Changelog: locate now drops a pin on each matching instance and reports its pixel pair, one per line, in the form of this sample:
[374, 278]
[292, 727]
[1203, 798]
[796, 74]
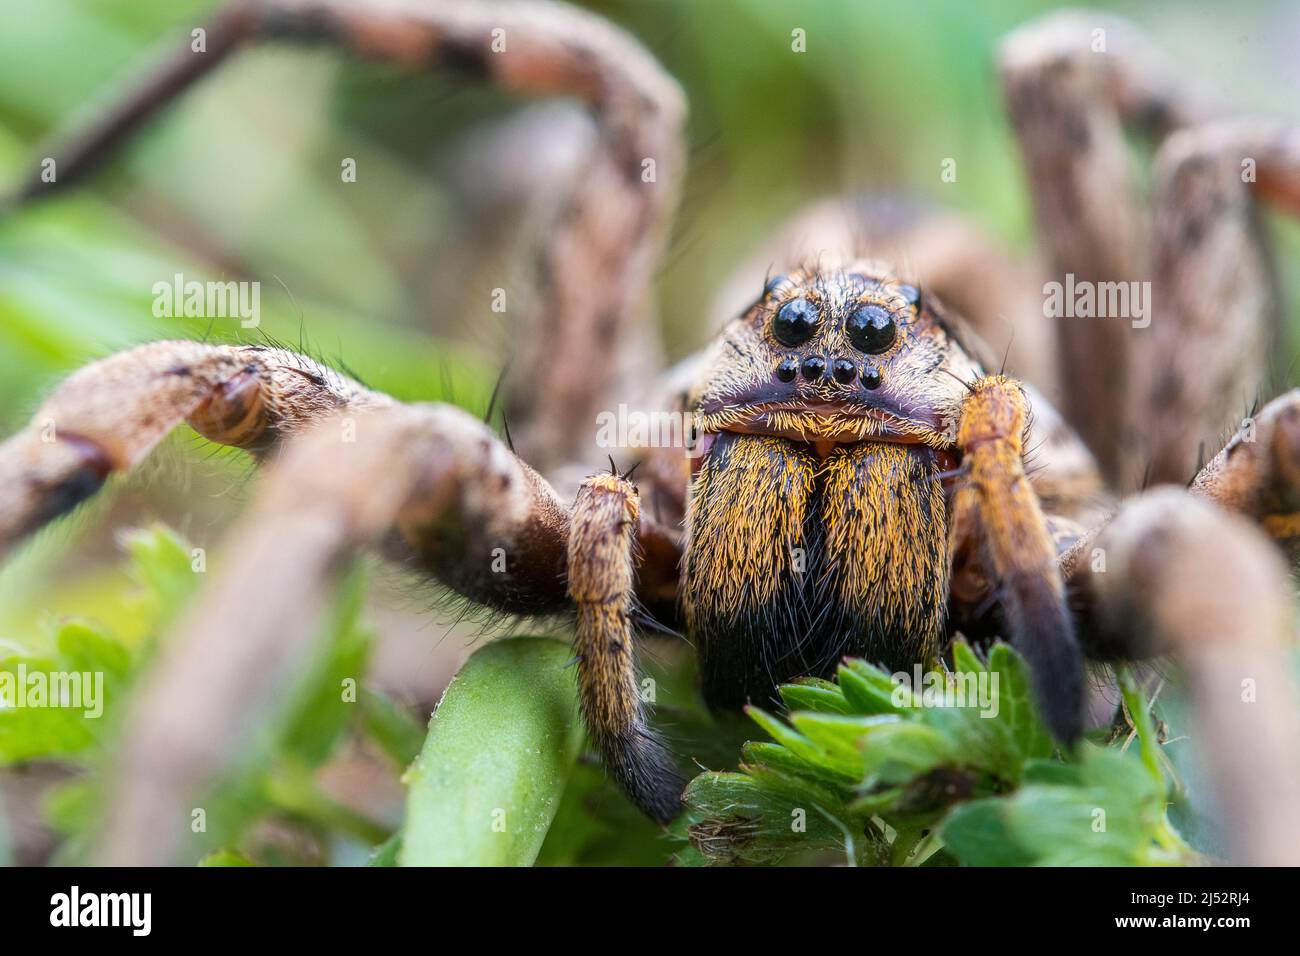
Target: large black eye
[795, 322]
[871, 329]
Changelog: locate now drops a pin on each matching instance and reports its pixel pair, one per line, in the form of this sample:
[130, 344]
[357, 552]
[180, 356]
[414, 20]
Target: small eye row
[870, 328]
[814, 368]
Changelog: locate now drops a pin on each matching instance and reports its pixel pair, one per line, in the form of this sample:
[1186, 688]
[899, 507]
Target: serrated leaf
[1015, 696]
[162, 565]
[894, 751]
[838, 736]
[801, 746]
[1107, 816]
[976, 834]
[964, 658]
[760, 817]
[762, 753]
[867, 690]
[35, 725]
[813, 694]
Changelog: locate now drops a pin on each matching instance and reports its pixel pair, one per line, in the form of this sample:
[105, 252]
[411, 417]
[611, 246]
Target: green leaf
[1109, 813]
[1016, 703]
[162, 564]
[392, 726]
[764, 754]
[500, 749]
[894, 751]
[763, 816]
[222, 858]
[964, 658]
[977, 834]
[868, 690]
[387, 852]
[819, 696]
[328, 697]
[967, 755]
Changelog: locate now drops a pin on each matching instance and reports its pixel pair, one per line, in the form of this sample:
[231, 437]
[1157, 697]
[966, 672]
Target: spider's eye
[774, 283]
[871, 329]
[795, 322]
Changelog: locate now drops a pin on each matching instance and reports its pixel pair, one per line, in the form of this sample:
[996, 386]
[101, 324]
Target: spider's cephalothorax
[817, 523]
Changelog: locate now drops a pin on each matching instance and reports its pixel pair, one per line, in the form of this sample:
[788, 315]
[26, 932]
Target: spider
[869, 478]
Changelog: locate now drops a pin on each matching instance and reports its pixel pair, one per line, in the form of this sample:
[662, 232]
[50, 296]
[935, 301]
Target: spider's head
[837, 355]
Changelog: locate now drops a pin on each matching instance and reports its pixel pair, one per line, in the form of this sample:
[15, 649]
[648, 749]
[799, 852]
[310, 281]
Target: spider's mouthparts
[824, 424]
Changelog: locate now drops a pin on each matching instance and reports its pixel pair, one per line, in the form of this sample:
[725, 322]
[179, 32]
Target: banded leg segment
[589, 294]
[1073, 81]
[1258, 472]
[107, 416]
[602, 577]
[999, 529]
[1214, 308]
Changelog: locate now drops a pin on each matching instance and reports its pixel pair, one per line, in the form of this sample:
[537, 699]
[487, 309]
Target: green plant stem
[1136, 704]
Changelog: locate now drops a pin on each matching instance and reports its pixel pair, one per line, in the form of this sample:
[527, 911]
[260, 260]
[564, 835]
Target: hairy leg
[1185, 574]
[107, 416]
[1073, 80]
[430, 485]
[1256, 475]
[589, 303]
[389, 479]
[1180, 576]
[1214, 307]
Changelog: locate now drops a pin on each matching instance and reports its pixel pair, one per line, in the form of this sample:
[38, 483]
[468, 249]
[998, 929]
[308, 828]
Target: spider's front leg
[999, 535]
[106, 418]
[428, 483]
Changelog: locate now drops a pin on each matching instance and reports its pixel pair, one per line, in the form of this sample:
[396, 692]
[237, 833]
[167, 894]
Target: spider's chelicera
[868, 480]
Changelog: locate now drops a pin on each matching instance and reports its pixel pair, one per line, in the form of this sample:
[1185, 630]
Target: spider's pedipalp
[997, 511]
[108, 415]
[602, 576]
[429, 481]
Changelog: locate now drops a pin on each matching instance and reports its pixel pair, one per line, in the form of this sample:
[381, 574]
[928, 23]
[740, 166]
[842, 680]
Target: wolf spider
[861, 484]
